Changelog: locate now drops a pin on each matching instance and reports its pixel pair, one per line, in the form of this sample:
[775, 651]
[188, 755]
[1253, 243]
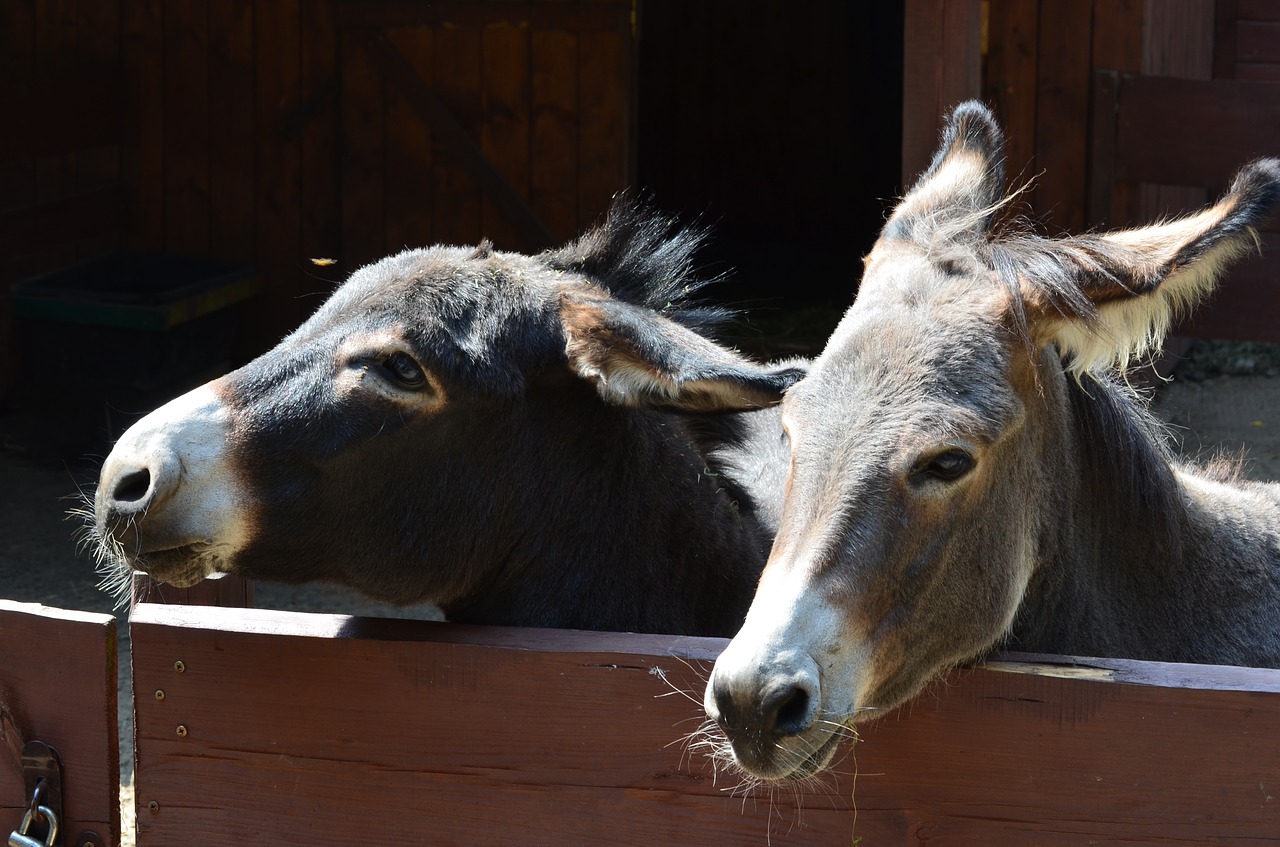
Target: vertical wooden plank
[456, 79]
[186, 129]
[553, 179]
[922, 45]
[606, 73]
[319, 125]
[231, 130]
[17, 67]
[1062, 135]
[17, 179]
[58, 685]
[1178, 38]
[98, 49]
[961, 76]
[412, 157]
[143, 155]
[1011, 81]
[1117, 46]
[1102, 155]
[504, 133]
[942, 65]
[1226, 14]
[278, 168]
[1117, 35]
[55, 55]
[1177, 41]
[363, 145]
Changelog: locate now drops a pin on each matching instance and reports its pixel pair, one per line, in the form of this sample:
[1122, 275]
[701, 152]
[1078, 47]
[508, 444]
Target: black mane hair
[645, 258]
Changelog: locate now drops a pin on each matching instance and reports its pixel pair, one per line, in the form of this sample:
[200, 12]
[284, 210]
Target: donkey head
[448, 415]
[929, 444]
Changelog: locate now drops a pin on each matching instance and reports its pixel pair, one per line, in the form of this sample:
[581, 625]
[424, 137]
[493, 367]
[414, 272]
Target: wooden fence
[258, 725]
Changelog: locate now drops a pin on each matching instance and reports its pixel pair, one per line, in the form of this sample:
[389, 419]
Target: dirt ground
[1222, 397]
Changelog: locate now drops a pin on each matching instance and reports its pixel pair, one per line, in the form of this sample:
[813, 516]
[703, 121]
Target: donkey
[969, 469]
[514, 438]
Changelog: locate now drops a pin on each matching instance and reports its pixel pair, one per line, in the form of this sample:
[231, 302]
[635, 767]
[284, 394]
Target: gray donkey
[969, 469]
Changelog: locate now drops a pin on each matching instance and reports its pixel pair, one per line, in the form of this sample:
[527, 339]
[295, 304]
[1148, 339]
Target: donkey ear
[1135, 282]
[961, 189]
[636, 357]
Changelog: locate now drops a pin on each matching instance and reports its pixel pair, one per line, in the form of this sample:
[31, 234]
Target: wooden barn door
[1168, 136]
[58, 686]
[469, 120]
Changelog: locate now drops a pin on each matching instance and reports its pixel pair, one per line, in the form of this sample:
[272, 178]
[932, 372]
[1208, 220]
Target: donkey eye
[401, 369]
[946, 466]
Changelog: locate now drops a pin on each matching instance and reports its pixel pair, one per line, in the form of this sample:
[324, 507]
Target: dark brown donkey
[507, 436]
[969, 469]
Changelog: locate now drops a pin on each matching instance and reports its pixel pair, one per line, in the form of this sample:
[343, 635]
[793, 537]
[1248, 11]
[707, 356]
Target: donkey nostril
[132, 487]
[791, 716]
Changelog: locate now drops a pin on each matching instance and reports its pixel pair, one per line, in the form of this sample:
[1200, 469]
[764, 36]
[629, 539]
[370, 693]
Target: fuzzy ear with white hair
[637, 357]
[958, 194]
[1107, 298]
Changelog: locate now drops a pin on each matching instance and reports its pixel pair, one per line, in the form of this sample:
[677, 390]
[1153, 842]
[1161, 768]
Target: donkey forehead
[933, 363]
[435, 283]
[460, 305]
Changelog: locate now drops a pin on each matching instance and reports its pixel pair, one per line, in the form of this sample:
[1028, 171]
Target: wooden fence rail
[255, 724]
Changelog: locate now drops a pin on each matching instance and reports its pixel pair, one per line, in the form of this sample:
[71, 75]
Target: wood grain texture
[1010, 82]
[411, 147]
[231, 130]
[229, 591]
[504, 129]
[942, 66]
[331, 729]
[606, 125]
[1235, 121]
[1062, 111]
[58, 685]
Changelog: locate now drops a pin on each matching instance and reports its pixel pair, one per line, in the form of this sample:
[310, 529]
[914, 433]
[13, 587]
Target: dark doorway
[780, 127]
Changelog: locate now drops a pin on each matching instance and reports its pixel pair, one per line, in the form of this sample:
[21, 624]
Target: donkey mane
[645, 258]
[1130, 471]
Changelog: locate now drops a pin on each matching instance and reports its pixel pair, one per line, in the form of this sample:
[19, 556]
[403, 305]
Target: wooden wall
[1247, 40]
[1038, 66]
[272, 132]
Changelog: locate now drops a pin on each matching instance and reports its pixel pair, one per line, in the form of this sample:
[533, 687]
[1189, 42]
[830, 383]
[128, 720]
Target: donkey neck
[1112, 521]
[1140, 557]
[633, 532]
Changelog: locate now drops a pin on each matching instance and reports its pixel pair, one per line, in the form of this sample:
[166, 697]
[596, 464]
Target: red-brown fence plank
[58, 685]
[329, 729]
